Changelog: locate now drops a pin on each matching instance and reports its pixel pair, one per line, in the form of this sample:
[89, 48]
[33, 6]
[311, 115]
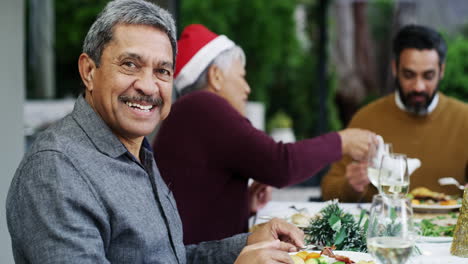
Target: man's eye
[129, 64]
[408, 75]
[429, 76]
[163, 71]
[163, 74]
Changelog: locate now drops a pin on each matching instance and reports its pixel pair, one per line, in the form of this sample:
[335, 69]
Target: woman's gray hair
[224, 61]
[133, 12]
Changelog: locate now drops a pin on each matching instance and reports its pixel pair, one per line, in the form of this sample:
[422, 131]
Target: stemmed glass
[390, 234]
[393, 174]
[374, 161]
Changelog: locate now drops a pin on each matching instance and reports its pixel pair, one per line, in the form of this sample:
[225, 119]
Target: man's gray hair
[224, 61]
[132, 12]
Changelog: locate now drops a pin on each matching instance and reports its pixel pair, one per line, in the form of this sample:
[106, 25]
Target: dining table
[432, 251]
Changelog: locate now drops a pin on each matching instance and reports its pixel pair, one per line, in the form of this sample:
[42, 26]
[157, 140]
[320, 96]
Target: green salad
[433, 228]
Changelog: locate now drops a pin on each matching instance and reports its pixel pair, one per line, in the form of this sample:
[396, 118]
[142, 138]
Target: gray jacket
[79, 196]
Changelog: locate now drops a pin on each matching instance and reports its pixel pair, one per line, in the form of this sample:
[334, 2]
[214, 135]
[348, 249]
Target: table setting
[398, 226]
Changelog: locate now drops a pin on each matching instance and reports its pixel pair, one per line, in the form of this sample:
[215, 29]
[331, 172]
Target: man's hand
[356, 174]
[259, 196]
[357, 142]
[277, 229]
[269, 252]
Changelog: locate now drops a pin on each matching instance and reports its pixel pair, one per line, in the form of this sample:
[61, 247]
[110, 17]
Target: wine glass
[393, 174]
[390, 233]
[373, 162]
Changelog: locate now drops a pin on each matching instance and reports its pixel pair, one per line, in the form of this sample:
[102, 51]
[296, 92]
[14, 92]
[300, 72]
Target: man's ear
[442, 70]
[215, 78]
[394, 68]
[87, 67]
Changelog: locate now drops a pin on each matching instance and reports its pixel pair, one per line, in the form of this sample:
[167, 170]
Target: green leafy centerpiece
[333, 226]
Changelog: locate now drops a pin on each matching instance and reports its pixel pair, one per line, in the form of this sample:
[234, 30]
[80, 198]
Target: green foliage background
[73, 19]
[455, 81]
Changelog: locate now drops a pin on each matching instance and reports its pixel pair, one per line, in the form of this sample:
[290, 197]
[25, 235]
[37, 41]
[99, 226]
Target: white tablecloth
[436, 253]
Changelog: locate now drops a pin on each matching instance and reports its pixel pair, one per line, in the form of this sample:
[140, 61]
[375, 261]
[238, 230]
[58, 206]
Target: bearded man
[418, 120]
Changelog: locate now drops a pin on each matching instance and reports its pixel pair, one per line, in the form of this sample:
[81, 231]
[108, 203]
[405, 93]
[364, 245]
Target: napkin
[413, 164]
[380, 151]
[390, 164]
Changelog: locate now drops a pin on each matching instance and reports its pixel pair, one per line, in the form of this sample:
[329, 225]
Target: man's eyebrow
[135, 56]
[167, 64]
[429, 71]
[407, 70]
[130, 55]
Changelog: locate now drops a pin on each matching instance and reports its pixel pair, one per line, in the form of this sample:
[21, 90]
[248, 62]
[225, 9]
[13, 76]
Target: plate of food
[329, 256]
[426, 201]
[437, 229]
[435, 208]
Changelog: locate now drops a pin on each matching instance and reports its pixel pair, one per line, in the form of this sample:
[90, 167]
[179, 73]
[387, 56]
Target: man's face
[131, 90]
[235, 88]
[417, 78]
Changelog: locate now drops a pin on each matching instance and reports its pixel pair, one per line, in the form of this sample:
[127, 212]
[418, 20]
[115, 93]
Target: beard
[413, 106]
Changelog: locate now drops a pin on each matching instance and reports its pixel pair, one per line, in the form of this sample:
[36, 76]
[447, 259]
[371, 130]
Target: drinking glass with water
[390, 234]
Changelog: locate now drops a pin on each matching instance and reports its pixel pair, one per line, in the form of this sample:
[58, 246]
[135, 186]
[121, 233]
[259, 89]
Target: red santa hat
[197, 47]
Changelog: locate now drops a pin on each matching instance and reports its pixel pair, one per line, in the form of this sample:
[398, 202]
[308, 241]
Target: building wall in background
[11, 107]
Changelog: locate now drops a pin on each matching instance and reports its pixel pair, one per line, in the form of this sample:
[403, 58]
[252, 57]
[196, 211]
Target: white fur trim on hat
[190, 72]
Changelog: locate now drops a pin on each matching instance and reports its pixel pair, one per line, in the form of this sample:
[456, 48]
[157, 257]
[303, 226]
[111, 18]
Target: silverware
[451, 181]
[310, 247]
[301, 210]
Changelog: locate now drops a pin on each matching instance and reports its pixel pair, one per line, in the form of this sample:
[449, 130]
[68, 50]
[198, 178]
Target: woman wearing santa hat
[207, 150]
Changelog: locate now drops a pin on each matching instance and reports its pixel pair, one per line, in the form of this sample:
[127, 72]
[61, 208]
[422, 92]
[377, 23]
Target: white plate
[434, 208]
[428, 239]
[354, 256]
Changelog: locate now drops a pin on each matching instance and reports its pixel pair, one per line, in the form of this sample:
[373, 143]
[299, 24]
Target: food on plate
[300, 219]
[441, 226]
[309, 258]
[297, 259]
[449, 202]
[333, 226]
[423, 195]
[326, 256]
[302, 254]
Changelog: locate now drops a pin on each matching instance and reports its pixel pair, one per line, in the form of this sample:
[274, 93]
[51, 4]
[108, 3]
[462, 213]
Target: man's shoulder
[376, 106]
[58, 136]
[454, 102]
[64, 138]
[48, 152]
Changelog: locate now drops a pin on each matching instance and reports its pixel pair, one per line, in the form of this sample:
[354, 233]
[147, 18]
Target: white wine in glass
[389, 250]
[393, 175]
[390, 234]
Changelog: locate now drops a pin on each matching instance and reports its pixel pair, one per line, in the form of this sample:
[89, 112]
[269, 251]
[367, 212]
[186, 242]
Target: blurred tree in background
[73, 20]
[455, 82]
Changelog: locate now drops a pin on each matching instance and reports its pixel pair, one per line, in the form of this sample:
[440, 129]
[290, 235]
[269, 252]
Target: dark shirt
[207, 151]
[79, 196]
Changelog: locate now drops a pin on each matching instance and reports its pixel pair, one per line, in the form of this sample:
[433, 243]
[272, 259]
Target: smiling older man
[89, 190]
